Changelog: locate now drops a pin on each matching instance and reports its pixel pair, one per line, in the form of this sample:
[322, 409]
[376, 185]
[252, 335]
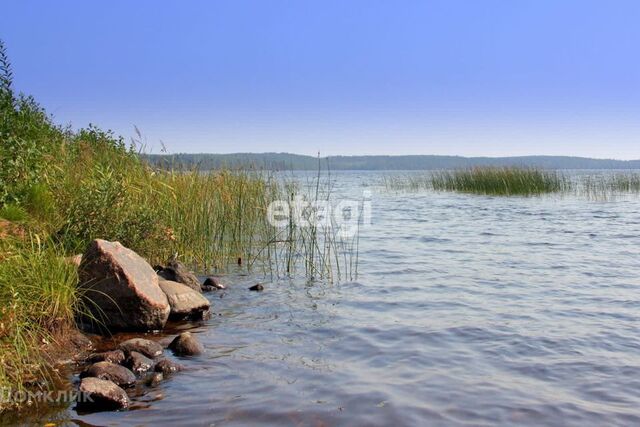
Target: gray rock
[184, 301]
[175, 271]
[167, 367]
[121, 289]
[186, 344]
[211, 284]
[102, 395]
[138, 363]
[147, 347]
[111, 372]
[113, 356]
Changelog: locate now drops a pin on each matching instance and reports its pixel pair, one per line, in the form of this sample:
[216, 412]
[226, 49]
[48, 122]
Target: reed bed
[606, 186]
[490, 181]
[313, 244]
[519, 182]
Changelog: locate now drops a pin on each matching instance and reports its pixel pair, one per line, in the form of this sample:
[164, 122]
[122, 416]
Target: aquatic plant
[520, 182]
[508, 181]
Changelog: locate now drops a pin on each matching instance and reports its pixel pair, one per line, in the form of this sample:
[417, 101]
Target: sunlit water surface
[468, 310]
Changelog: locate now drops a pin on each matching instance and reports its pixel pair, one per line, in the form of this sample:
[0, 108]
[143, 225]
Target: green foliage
[13, 212]
[499, 181]
[39, 202]
[38, 294]
[491, 181]
[27, 138]
[106, 204]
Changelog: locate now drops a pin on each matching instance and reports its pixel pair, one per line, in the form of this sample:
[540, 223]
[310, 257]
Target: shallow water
[468, 310]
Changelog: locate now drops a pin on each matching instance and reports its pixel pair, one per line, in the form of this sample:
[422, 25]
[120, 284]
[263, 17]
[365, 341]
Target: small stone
[111, 372]
[186, 344]
[167, 367]
[138, 363]
[113, 356]
[154, 379]
[211, 284]
[102, 395]
[147, 347]
[258, 287]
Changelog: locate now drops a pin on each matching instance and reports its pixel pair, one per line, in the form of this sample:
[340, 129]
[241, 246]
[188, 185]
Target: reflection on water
[468, 310]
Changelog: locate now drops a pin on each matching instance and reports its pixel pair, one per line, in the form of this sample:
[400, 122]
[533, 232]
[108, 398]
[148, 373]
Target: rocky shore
[122, 292]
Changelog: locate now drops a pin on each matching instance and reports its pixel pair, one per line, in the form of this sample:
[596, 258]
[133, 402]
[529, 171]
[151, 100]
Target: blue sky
[474, 77]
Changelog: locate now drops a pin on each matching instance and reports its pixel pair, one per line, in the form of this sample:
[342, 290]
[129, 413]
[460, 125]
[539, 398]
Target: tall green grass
[509, 181]
[39, 299]
[520, 182]
[62, 188]
[499, 181]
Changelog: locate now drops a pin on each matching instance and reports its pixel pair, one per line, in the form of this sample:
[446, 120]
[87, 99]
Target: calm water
[468, 310]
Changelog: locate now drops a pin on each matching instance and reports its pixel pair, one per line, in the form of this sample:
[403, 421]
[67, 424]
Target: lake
[467, 310]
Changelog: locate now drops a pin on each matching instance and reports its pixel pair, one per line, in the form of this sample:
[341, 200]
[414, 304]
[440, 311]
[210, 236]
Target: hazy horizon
[468, 78]
[374, 155]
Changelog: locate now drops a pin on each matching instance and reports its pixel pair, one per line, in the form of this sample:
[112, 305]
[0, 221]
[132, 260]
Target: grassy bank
[61, 188]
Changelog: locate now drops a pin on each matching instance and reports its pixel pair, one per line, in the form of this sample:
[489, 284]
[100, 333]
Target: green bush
[105, 204]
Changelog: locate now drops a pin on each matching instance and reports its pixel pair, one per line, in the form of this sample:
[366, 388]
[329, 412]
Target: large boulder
[102, 395]
[184, 301]
[121, 289]
[175, 271]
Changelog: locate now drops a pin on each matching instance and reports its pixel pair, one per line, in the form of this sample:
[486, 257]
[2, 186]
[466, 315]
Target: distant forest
[286, 161]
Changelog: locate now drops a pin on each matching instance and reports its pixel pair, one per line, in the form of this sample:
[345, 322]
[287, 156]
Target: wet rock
[138, 363]
[113, 356]
[175, 271]
[100, 394]
[146, 347]
[184, 301]
[111, 372]
[257, 287]
[186, 344]
[211, 284]
[121, 289]
[154, 379]
[167, 367]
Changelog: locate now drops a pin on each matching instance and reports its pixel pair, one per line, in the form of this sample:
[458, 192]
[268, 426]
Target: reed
[520, 182]
[606, 186]
[499, 181]
[510, 181]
